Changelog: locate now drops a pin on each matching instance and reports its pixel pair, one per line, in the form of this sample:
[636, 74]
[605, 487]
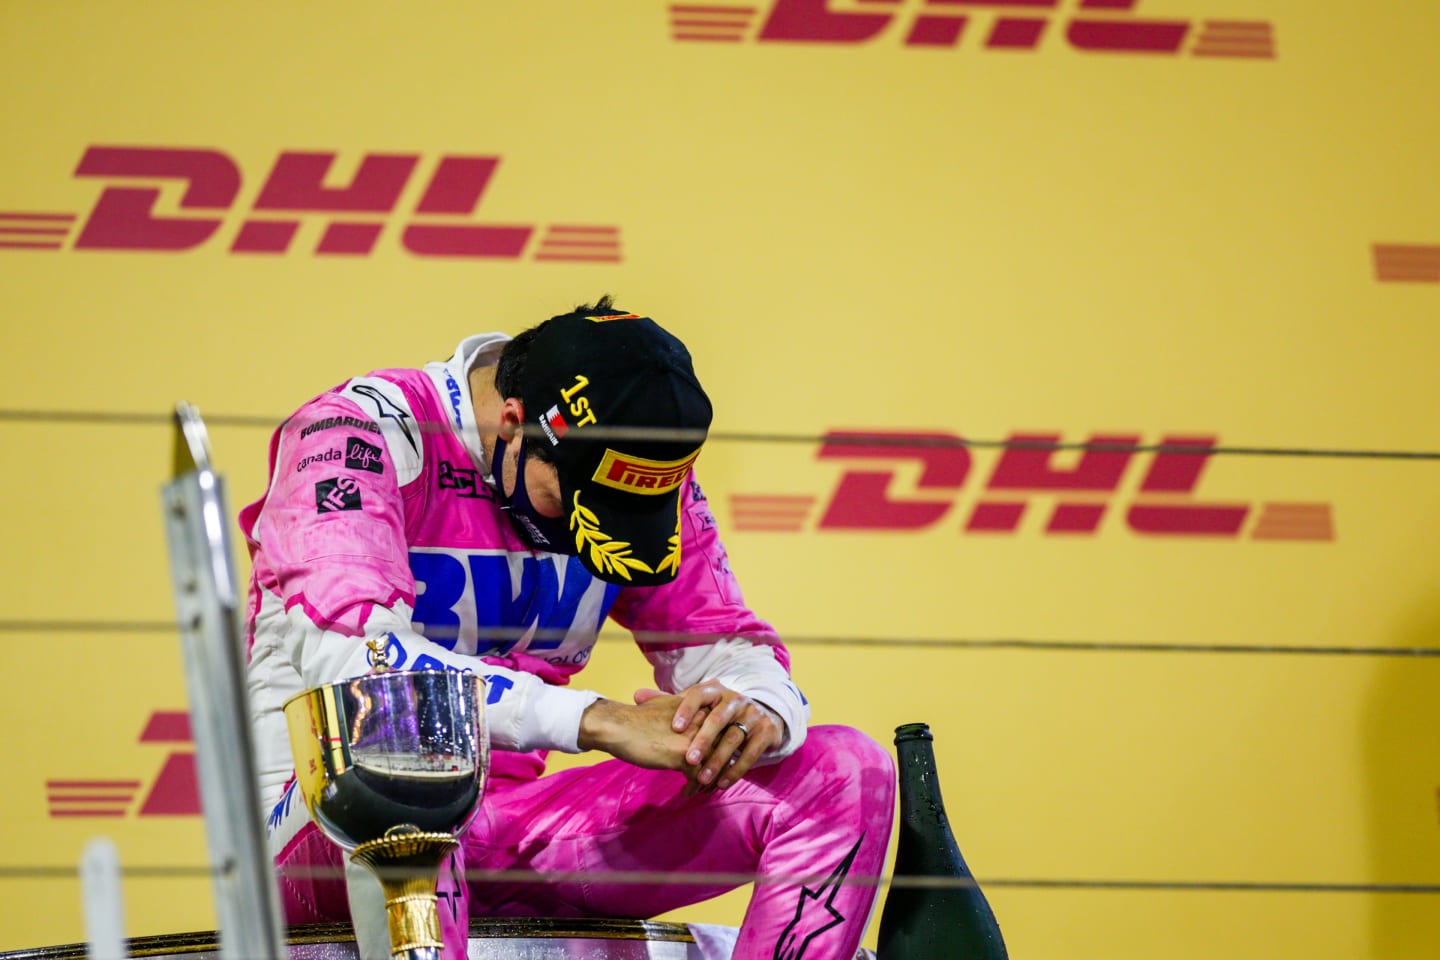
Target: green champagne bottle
[949, 922]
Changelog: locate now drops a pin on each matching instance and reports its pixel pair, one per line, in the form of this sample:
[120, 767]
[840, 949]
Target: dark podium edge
[517, 928]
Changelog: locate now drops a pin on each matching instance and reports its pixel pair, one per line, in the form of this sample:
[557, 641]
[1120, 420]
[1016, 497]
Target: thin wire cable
[694, 878]
[930, 643]
[52, 872]
[98, 417]
[896, 881]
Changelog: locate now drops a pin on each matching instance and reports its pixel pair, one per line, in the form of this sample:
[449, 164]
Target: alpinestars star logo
[812, 916]
[387, 409]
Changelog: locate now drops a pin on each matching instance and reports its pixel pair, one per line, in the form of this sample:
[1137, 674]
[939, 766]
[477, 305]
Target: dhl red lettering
[1177, 471]
[861, 500]
[455, 189]
[940, 23]
[991, 516]
[813, 21]
[928, 31]
[1127, 36]
[457, 185]
[176, 791]
[1176, 467]
[1016, 33]
[297, 185]
[1046, 4]
[122, 218]
[1029, 465]
[1086, 482]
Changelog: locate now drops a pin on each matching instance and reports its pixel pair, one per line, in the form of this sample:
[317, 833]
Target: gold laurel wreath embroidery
[672, 557]
[607, 554]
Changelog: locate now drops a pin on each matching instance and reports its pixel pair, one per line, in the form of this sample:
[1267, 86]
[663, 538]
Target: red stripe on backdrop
[1408, 252]
[1237, 25]
[1294, 521]
[92, 798]
[1407, 262]
[772, 509]
[1228, 39]
[13, 215]
[711, 37]
[1213, 51]
[701, 8]
[726, 25]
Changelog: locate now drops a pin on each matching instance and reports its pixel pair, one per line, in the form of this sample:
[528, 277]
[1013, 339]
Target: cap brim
[625, 538]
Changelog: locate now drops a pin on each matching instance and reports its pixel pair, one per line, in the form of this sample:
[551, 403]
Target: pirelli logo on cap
[614, 316]
[638, 475]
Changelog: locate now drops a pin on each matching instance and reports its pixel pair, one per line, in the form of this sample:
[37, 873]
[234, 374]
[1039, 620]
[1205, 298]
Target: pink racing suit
[380, 521]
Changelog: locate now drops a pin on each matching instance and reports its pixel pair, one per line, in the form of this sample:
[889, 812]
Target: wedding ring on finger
[744, 730]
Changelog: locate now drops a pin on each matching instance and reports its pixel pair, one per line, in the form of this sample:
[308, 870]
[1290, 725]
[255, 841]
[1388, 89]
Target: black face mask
[550, 534]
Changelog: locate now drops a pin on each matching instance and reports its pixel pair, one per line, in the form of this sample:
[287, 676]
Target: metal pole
[101, 899]
[247, 903]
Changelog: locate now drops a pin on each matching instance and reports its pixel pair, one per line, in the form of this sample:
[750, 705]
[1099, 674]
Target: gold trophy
[392, 766]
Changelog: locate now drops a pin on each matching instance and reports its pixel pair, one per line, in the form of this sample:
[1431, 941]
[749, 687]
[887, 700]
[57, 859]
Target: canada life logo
[1072, 494]
[170, 793]
[355, 216]
[1088, 26]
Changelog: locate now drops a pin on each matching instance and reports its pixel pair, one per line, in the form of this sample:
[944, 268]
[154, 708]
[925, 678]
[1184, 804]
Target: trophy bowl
[388, 749]
[392, 765]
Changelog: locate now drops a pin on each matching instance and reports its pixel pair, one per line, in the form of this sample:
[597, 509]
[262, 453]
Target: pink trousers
[810, 826]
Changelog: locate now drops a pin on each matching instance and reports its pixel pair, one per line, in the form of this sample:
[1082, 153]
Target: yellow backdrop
[1198, 219]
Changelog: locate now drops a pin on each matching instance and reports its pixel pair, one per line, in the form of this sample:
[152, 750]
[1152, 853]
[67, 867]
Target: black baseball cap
[614, 399]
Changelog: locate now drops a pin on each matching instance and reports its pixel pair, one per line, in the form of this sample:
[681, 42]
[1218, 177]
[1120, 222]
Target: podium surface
[510, 939]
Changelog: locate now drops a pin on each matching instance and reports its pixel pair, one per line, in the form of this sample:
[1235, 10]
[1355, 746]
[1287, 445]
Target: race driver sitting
[487, 513]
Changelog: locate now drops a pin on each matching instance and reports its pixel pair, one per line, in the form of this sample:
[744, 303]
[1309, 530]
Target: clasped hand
[696, 731]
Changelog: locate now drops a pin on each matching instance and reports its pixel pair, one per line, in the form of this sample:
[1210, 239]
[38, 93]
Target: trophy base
[407, 862]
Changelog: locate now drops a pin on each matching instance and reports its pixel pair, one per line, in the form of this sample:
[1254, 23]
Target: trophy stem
[407, 864]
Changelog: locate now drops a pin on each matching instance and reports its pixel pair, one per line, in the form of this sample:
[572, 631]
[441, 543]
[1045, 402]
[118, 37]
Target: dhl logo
[1090, 26]
[1080, 493]
[173, 792]
[638, 475]
[297, 188]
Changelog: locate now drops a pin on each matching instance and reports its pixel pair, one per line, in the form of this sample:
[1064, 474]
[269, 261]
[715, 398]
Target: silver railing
[247, 903]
